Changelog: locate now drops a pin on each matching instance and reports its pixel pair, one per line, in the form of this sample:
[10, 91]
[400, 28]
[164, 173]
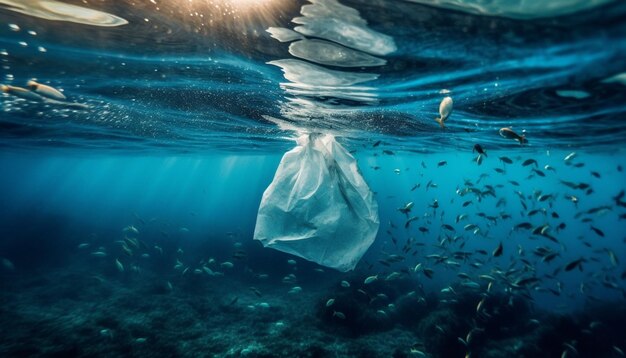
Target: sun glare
[248, 3]
[224, 11]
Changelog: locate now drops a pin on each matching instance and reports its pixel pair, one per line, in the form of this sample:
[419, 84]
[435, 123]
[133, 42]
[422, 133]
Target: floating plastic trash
[318, 206]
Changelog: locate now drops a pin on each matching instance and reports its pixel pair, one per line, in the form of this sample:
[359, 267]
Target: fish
[540, 230]
[409, 220]
[442, 163]
[524, 225]
[463, 275]
[569, 157]
[392, 276]
[106, 333]
[370, 279]
[295, 289]
[45, 90]
[471, 284]
[498, 250]
[573, 264]
[539, 172]
[445, 109]
[330, 302]
[506, 160]
[345, 284]
[22, 93]
[339, 315]
[406, 208]
[508, 133]
[449, 227]
[597, 231]
[572, 198]
[479, 149]
[545, 197]
[528, 162]
[382, 312]
[119, 265]
[480, 304]
[612, 258]
[131, 229]
[376, 144]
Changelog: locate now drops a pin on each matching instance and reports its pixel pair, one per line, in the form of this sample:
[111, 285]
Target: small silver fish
[227, 264]
[569, 157]
[295, 289]
[370, 279]
[119, 265]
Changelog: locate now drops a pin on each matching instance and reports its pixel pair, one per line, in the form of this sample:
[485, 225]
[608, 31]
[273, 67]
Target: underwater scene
[313, 178]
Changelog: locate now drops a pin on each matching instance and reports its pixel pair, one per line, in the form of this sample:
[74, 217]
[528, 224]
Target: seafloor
[82, 310]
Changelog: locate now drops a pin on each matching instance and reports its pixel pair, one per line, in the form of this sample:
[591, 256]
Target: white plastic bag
[318, 206]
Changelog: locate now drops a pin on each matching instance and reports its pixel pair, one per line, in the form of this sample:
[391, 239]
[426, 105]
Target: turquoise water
[129, 207]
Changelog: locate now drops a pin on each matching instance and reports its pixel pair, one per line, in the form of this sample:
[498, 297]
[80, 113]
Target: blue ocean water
[129, 206]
